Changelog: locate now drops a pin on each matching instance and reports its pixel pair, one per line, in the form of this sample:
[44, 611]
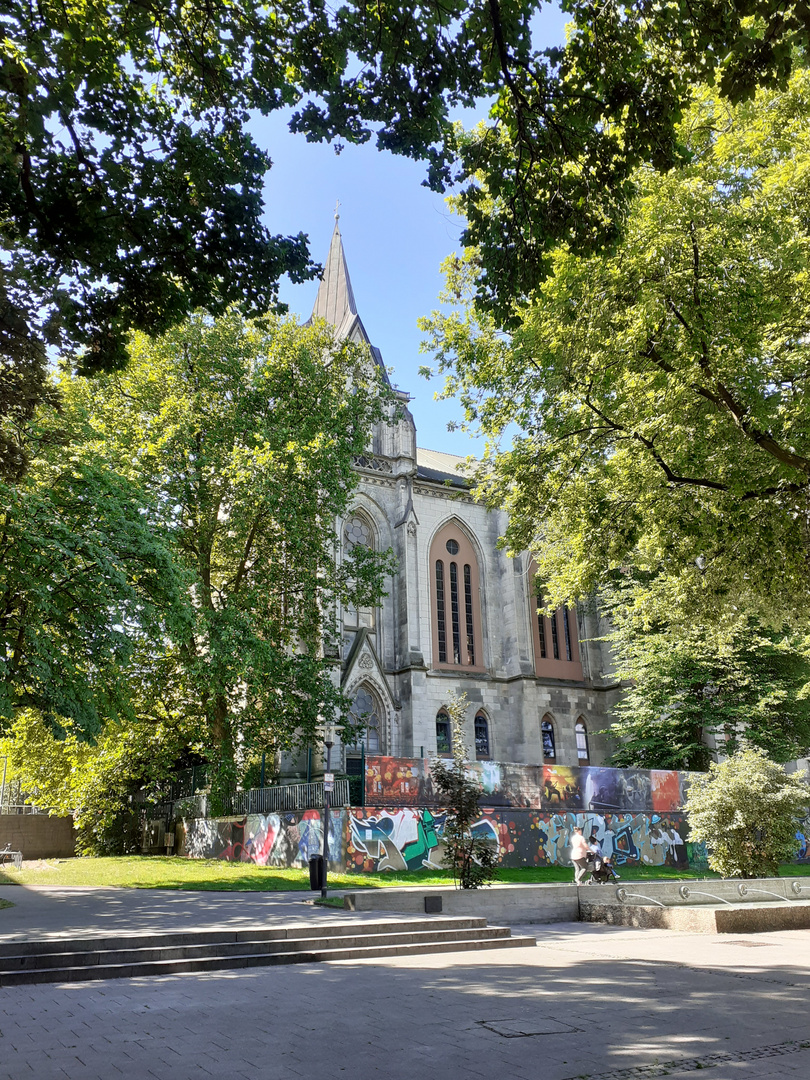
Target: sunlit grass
[161, 872]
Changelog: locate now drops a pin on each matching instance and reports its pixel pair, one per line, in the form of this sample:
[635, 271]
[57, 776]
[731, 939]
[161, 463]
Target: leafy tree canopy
[687, 686]
[661, 389]
[86, 579]
[243, 436]
[131, 192]
[94, 781]
[747, 811]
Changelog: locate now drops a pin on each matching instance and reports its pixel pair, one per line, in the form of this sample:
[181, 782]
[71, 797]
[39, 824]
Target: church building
[460, 616]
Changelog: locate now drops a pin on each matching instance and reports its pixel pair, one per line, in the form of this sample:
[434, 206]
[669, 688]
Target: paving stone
[636, 999]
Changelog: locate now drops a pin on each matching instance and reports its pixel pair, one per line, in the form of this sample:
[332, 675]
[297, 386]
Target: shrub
[746, 810]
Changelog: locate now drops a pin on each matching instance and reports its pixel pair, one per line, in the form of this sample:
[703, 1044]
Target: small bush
[747, 810]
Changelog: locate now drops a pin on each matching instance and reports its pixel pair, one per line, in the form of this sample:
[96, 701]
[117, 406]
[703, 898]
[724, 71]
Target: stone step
[245, 934]
[312, 953]
[352, 938]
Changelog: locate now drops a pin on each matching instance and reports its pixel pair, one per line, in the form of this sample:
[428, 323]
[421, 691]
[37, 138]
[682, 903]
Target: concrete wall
[38, 836]
[498, 903]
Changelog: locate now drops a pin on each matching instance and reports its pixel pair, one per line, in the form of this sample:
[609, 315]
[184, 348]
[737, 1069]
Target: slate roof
[440, 467]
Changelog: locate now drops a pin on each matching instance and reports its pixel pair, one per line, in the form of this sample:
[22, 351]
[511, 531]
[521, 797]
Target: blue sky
[395, 234]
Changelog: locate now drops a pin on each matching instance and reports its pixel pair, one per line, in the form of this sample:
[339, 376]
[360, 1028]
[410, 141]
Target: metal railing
[267, 800]
[274, 800]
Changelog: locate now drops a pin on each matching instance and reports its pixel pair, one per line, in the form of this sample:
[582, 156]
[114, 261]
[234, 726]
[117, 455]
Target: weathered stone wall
[38, 836]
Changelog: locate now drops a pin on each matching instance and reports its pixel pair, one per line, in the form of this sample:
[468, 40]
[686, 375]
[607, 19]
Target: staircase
[182, 951]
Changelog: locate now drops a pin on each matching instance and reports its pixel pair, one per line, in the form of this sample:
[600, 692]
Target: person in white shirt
[579, 855]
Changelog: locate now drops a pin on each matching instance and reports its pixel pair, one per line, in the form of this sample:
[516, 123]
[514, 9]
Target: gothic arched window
[549, 739]
[444, 741]
[365, 711]
[583, 754]
[481, 736]
[358, 532]
[456, 611]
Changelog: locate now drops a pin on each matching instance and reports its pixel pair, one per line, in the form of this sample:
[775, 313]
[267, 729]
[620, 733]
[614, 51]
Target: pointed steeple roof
[335, 299]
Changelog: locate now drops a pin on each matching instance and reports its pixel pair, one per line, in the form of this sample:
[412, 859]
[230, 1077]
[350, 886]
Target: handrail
[622, 894]
[686, 892]
[744, 890]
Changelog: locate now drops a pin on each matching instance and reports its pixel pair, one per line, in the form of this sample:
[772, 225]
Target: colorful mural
[407, 782]
[267, 839]
[528, 811]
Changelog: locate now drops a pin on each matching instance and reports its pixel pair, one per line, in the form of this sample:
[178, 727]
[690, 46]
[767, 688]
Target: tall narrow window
[555, 641]
[583, 756]
[554, 636]
[549, 743]
[567, 627]
[541, 627]
[455, 613]
[456, 603]
[481, 736]
[441, 620]
[443, 743]
[468, 614]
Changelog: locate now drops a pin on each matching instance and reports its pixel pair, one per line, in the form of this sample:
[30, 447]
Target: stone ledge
[750, 918]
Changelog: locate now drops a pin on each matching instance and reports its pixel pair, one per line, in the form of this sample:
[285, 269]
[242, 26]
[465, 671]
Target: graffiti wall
[408, 782]
[527, 811]
[409, 838]
[379, 839]
[267, 839]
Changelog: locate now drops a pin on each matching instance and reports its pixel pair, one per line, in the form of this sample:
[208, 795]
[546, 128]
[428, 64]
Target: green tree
[98, 782]
[244, 435]
[86, 580]
[684, 685]
[471, 859]
[746, 811]
[660, 391]
[130, 190]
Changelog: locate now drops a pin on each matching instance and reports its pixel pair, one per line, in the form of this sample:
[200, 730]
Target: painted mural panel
[666, 793]
[283, 840]
[396, 840]
[561, 787]
[600, 789]
[399, 782]
[407, 782]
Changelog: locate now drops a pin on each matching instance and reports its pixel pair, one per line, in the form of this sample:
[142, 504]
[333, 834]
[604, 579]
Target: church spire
[335, 299]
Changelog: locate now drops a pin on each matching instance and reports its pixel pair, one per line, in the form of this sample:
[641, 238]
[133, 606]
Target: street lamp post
[329, 742]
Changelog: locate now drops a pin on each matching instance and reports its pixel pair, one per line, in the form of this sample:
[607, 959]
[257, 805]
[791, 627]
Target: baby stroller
[602, 873]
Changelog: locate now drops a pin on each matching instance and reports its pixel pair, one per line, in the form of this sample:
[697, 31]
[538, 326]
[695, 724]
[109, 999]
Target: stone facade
[417, 503]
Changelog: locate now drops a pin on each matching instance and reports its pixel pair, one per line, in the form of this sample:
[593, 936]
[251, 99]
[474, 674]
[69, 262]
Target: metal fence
[267, 800]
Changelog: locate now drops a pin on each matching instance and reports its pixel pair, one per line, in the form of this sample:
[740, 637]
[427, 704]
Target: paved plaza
[602, 1003]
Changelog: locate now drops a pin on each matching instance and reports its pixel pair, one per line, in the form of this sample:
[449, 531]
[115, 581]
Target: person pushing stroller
[601, 868]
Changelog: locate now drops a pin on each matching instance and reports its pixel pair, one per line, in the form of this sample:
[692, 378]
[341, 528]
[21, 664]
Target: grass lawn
[161, 872]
